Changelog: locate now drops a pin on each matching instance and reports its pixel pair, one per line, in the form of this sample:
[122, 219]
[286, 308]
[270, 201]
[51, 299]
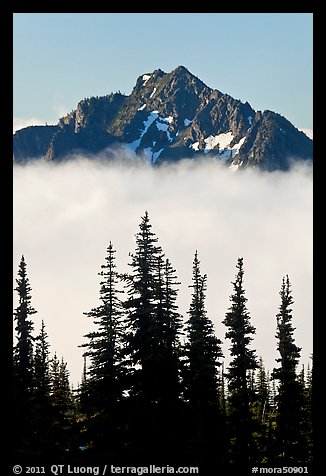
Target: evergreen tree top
[289, 351]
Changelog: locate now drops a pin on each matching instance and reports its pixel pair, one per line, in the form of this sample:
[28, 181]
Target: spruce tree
[104, 348]
[262, 412]
[237, 320]
[61, 394]
[167, 410]
[168, 327]
[83, 400]
[201, 379]
[63, 404]
[142, 305]
[42, 385]
[102, 387]
[290, 439]
[23, 363]
[305, 379]
[262, 387]
[203, 349]
[42, 405]
[152, 347]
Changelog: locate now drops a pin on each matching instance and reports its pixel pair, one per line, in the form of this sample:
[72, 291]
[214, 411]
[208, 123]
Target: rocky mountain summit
[167, 117]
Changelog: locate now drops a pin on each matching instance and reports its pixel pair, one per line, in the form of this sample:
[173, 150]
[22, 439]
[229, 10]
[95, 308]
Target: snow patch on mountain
[156, 155]
[234, 167]
[163, 126]
[150, 156]
[149, 121]
[237, 146]
[221, 143]
[221, 140]
[194, 146]
[153, 92]
[146, 77]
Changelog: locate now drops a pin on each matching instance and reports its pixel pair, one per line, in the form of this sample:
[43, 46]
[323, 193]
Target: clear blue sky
[262, 58]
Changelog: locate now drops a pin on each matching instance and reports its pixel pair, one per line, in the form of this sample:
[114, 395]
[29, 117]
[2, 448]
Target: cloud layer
[66, 214]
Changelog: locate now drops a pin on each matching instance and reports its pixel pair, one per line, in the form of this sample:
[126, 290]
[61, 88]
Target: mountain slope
[169, 116]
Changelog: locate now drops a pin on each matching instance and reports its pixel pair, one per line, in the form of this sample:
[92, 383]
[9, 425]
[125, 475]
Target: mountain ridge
[167, 117]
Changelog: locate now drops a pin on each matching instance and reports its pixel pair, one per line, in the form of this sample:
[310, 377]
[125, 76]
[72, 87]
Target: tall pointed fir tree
[262, 386]
[241, 397]
[201, 377]
[142, 304]
[305, 378]
[42, 405]
[291, 442]
[103, 385]
[63, 407]
[82, 392]
[23, 365]
[263, 414]
[168, 409]
[152, 342]
[42, 367]
[168, 327]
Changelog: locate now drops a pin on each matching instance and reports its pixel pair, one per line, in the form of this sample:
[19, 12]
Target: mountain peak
[183, 73]
[169, 116]
[181, 69]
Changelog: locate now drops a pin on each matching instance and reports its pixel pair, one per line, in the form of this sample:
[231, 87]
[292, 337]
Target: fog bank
[66, 214]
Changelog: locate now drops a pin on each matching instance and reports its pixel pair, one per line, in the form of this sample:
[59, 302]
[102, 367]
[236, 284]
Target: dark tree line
[154, 388]
[43, 404]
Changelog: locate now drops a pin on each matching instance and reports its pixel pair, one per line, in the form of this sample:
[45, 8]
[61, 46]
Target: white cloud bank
[65, 215]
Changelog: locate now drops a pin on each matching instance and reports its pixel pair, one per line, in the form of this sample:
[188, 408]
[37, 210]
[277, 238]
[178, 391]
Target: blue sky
[262, 58]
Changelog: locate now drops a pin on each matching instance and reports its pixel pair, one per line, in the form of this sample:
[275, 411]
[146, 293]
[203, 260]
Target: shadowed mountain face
[167, 117]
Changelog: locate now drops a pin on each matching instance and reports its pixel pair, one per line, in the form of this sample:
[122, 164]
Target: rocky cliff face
[169, 116]
[32, 142]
